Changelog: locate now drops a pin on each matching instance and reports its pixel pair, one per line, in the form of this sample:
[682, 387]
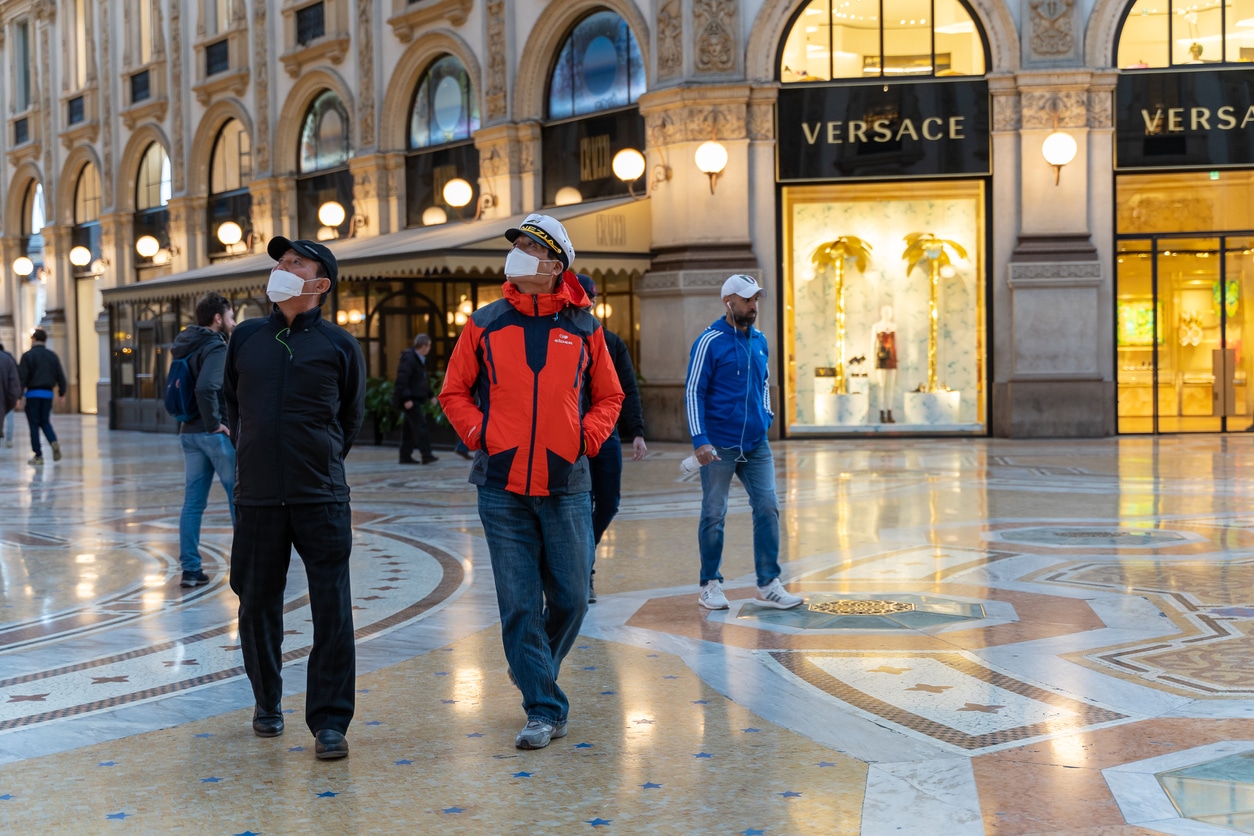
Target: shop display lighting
[80, 256]
[23, 266]
[711, 156]
[629, 164]
[1059, 147]
[147, 246]
[331, 214]
[458, 192]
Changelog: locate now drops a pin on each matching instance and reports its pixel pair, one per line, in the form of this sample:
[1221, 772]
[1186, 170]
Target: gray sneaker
[56, 451]
[537, 734]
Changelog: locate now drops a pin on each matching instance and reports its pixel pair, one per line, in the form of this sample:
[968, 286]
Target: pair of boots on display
[886, 417]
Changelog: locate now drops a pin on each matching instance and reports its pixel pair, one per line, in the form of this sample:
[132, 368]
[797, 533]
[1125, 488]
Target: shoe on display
[56, 452]
[37, 460]
[191, 579]
[329, 745]
[774, 595]
[712, 597]
[267, 723]
[537, 734]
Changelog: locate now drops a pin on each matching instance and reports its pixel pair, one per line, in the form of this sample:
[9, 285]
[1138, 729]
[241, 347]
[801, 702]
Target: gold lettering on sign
[833, 133]
[811, 138]
[1249, 117]
[1226, 120]
[927, 133]
[955, 127]
[1174, 115]
[882, 132]
[1199, 119]
[931, 129]
[594, 158]
[611, 230]
[1199, 116]
[907, 127]
[857, 130]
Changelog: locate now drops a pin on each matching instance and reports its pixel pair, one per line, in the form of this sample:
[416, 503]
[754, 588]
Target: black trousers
[322, 535]
[39, 417]
[414, 431]
[606, 468]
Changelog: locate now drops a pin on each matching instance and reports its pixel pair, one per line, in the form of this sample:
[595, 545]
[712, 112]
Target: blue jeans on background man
[756, 470]
[203, 455]
[39, 417]
[540, 548]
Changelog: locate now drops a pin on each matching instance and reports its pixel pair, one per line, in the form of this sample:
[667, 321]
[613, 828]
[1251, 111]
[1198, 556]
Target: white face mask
[284, 285]
[519, 264]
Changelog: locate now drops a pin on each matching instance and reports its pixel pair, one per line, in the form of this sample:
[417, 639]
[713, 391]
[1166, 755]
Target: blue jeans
[541, 549]
[203, 455]
[757, 474]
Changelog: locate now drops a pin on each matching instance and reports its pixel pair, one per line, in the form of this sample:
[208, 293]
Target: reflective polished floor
[999, 637]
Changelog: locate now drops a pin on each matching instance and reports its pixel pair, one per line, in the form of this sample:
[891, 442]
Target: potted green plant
[379, 407]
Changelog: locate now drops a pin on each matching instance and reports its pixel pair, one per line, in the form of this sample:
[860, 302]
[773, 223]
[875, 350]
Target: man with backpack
[193, 396]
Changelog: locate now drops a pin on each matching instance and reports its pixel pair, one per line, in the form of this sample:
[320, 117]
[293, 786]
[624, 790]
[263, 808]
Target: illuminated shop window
[445, 108]
[598, 68]
[1165, 33]
[835, 39]
[324, 138]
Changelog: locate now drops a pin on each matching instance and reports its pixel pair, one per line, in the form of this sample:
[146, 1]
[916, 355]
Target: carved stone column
[187, 233]
[116, 250]
[374, 194]
[273, 204]
[509, 168]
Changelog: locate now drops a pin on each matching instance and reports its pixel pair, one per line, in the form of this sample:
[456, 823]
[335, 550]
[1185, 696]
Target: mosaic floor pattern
[999, 637]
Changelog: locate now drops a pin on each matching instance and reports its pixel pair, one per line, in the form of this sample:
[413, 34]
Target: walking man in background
[40, 371]
[206, 439]
[10, 394]
[411, 394]
[547, 399]
[607, 465]
[729, 414]
[295, 394]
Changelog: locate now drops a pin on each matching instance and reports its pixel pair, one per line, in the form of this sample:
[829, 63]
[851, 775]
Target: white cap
[741, 285]
[546, 230]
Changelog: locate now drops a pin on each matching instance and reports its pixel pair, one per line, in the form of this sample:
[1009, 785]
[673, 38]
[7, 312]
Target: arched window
[33, 210]
[324, 138]
[872, 39]
[87, 195]
[445, 107]
[599, 68]
[1165, 33]
[231, 166]
[152, 187]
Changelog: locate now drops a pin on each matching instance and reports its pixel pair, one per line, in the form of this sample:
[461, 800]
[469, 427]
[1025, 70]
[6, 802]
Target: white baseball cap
[548, 231]
[741, 285]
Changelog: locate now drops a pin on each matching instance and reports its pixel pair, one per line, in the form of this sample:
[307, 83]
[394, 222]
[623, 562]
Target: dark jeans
[262, 549]
[39, 416]
[606, 468]
[539, 547]
[414, 432]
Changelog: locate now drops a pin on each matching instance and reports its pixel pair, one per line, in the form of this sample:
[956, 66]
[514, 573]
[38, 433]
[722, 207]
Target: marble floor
[1000, 637]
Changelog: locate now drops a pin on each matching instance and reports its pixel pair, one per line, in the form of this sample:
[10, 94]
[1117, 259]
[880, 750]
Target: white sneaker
[712, 597]
[774, 595]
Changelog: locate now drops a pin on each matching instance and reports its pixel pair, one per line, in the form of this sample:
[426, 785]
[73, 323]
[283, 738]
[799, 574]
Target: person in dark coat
[411, 394]
[10, 394]
[607, 465]
[295, 388]
[40, 371]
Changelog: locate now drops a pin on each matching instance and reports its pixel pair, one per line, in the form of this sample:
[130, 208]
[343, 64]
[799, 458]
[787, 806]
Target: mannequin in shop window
[884, 352]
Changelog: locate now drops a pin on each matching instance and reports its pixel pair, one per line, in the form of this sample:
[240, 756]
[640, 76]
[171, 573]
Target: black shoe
[409, 461]
[430, 459]
[592, 592]
[330, 745]
[267, 723]
[191, 579]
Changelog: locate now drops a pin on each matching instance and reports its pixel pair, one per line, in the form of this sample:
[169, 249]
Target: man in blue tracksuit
[729, 413]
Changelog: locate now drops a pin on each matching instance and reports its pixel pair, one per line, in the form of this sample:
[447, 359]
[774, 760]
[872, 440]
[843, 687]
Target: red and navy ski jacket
[532, 388]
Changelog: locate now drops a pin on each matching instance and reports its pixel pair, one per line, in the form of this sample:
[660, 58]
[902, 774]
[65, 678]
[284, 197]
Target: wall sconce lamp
[1059, 147]
[233, 238]
[458, 193]
[147, 246]
[711, 159]
[629, 165]
[80, 256]
[23, 266]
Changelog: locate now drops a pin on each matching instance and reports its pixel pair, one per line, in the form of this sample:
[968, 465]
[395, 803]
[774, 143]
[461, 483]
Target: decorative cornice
[1055, 274]
[410, 18]
[334, 48]
[234, 82]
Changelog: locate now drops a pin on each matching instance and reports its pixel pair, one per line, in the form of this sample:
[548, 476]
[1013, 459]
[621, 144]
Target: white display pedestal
[930, 408]
[840, 410]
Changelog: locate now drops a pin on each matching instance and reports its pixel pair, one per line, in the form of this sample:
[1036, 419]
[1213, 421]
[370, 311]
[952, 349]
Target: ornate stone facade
[714, 32]
[670, 40]
[496, 98]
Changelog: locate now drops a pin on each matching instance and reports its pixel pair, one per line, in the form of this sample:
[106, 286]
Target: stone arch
[218, 114]
[768, 30]
[291, 118]
[405, 78]
[68, 181]
[1102, 32]
[22, 178]
[128, 167]
[531, 84]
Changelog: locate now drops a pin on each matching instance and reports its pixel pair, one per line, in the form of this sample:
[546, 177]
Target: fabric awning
[609, 236]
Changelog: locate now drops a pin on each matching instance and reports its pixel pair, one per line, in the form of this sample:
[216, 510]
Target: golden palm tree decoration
[925, 247]
[831, 259]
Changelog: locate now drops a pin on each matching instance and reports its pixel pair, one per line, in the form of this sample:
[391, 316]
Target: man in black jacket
[10, 394]
[412, 392]
[39, 371]
[607, 465]
[206, 440]
[295, 394]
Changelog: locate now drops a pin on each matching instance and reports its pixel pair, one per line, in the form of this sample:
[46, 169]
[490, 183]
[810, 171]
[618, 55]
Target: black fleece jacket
[294, 402]
[41, 369]
[631, 419]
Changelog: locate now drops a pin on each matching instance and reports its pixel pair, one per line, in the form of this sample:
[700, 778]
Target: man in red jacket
[531, 388]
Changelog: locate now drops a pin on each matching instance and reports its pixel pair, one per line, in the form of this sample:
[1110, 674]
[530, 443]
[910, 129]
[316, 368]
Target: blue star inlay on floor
[375, 723]
[107, 763]
[590, 668]
[700, 702]
[448, 702]
[289, 711]
[703, 755]
[327, 794]
[6, 797]
[581, 647]
[247, 833]
[608, 693]
[826, 763]
[750, 730]
[651, 656]
[363, 690]
[297, 749]
[583, 745]
[403, 762]
[211, 780]
[522, 775]
[790, 794]
[475, 734]
[670, 676]
[202, 735]
[649, 785]
[452, 810]
[118, 816]
[599, 822]
[752, 832]
[441, 673]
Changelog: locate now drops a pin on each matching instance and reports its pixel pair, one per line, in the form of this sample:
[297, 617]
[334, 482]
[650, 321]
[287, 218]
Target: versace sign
[1184, 119]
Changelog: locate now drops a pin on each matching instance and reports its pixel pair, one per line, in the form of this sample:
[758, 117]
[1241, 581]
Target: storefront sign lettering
[904, 129]
[1184, 119]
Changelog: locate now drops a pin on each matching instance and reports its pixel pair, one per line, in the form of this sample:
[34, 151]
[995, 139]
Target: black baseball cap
[279, 246]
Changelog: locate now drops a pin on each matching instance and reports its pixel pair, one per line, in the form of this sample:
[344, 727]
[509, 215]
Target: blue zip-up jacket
[728, 393]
